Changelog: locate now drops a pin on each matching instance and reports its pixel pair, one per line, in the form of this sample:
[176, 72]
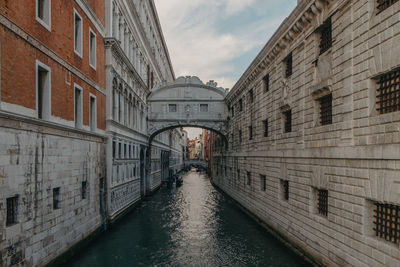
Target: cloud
[234, 6]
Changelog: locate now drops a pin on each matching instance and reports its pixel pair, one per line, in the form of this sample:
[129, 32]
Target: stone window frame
[285, 189]
[84, 190]
[12, 210]
[46, 20]
[202, 108]
[288, 65]
[285, 111]
[92, 49]
[56, 198]
[78, 40]
[78, 107]
[92, 112]
[251, 95]
[317, 95]
[241, 104]
[326, 25]
[172, 110]
[45, 105]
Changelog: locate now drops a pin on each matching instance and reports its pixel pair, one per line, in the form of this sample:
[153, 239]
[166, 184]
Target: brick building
[52, 117]
[314, 135]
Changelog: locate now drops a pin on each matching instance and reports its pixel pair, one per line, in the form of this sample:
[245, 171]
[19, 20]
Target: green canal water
[194, 225]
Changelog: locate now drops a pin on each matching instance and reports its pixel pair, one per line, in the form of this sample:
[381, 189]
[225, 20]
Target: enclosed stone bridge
[187, 102]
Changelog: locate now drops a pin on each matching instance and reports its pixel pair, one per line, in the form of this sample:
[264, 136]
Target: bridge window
[387, 222]
[172, 108]
[288, 65]
[322, 202]
[12, 210]
[326, 36]
[266, 82]
[248, 178]
[203, 107]
[388, 95]
[263, 182]
[384, 4]
[285, 189]
[240, 105]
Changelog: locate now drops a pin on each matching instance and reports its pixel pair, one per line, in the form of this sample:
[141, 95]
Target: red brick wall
[18, 68]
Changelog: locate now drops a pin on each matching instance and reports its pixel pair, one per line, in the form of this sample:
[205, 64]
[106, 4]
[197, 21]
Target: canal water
[193, 225]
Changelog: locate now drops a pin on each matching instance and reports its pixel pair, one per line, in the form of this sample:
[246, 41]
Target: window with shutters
[12, 210]
[388, 92]
[384, 4]
[266, 82]
[326, 36]
[325, 104]
[387, 222]
[288, 65]
[322, 201]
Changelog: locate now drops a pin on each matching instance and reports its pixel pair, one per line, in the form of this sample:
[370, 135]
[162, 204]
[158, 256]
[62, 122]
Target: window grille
[326, 109]
[323, 202]
[251, 96]
[263, 179]
[388, 94]
[326, 36]
[172, 108]
[289, 65]
[84, 190]
[56, 198]
[12, 209]
[266, 128]
[250, 132]
[288, 121]
[384, 4]
[266, 82]
[203, 107]
[387, 222]
[285, 188]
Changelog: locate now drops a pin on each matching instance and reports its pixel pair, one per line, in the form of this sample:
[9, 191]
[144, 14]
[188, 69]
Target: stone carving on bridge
[188, 94]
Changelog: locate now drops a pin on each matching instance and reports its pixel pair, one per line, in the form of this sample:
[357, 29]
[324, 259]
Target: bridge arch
[188, 102]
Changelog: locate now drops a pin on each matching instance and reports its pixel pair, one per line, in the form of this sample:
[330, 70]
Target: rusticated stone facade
[314, 135]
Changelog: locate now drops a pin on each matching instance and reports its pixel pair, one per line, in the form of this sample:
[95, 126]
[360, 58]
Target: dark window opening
[388, 94]
[251, 96]
[240, 105]
[125, 151]
[384, 4]
[233, 112]
[266, 82]
[323, 202]
[12, 210]
[248, 178]
[285, 189]
[113, 149]
[84, 190]
[119, 150]
[266, 128]
[56, 198]
[387, 222]
[326, 36]
[240, 136]
[326, 109]
[250, 132]
[288, 121]
[42, 77]
[263, 181]
[289, 65]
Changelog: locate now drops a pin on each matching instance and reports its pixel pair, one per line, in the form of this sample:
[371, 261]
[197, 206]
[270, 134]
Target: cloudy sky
[218, 39]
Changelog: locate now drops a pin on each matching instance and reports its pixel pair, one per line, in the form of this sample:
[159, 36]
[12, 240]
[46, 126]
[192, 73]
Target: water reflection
[193, 225]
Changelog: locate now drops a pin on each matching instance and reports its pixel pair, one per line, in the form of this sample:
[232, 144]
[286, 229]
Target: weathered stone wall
[35, 158]
[356, 158]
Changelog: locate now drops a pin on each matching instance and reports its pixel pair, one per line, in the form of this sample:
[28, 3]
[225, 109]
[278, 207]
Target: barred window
[285, 189]
[203, 107]
[387, 222]
[12, 210]
[172, 108]
[388, 94]
[326, 109]
[263, 181]
[266, 82]
[84, 190]
[289, 65]
[323, 202]
[288, 121]
[248, 178]
[240, 105]
[56, 198]
[384, 4]
[250, 132]
[326, 36]
[251, 96]
[266, 128]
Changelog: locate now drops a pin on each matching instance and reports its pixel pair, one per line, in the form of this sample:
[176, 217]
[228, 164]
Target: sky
[218, 39]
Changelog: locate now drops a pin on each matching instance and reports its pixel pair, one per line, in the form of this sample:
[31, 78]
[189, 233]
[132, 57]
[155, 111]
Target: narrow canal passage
[193, 225]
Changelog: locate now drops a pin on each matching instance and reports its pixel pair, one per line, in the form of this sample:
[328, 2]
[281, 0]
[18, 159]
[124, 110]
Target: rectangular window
[326, 36]
[77, 34]
[233, 111]
[43, 91]
[56, 198]
[92, 49]
[326, 109]
[323, 202]
[240, 136]
[78, 107]
[263, 182]
[387, 222]
[288, 121]
[238, 174]
[172, 108]
[248, 178]
[119, 150]
[388, 94]
[251, 96]
[240, 105]
[250, 132]
[203, 107]
[289, 65]
[43, 13]
[93, 111]
[266, 128]
[384, 4]
[266, 82]
[113, 149]
[285, 189]
[84, 190]
[125, 152]
[12, 210]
